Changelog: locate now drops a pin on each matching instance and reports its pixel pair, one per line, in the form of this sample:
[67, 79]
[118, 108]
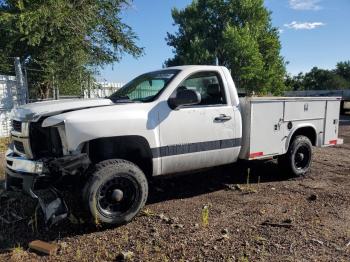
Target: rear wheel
[298, 159]
[115, 192]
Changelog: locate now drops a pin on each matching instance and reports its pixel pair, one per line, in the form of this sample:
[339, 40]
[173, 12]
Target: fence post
[53, 88]
[26, 84]
[89, 87]
[21, 88]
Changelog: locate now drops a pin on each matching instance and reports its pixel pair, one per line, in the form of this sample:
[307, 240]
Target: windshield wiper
[122, 99]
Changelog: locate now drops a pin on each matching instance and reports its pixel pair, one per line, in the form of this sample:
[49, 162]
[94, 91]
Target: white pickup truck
[169, 121]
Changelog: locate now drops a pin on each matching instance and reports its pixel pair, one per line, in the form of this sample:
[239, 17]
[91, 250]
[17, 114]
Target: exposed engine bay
[44, 161]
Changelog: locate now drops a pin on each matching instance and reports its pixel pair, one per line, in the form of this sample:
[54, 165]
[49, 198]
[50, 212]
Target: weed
[147, 212]
[138, 247]
[164, 258]
[260, 239]
[4, 142]
[18, 254]
[205, 215]
[248, 176]
[3, 147]
[243, 258]
[248, 189]
[78, 255]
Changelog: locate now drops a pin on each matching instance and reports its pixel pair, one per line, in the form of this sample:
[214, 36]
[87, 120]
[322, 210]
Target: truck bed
[270, 122]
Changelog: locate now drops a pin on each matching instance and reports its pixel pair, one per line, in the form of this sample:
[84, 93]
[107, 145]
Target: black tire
[115, 192]
[298, 159]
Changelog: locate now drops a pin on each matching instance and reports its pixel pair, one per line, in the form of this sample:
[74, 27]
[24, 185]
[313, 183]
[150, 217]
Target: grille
[17, 126]
[19, 146]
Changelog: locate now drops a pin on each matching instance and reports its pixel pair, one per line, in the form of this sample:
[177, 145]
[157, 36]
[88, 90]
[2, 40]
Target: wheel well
[307, 131]
[132, 148]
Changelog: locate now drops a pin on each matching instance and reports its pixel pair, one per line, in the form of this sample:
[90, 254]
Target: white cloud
[304, 26]
[305, 4]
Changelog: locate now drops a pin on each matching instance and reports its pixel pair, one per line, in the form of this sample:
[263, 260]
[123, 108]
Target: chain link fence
[10, 97]
[14, 93]
[101, 90]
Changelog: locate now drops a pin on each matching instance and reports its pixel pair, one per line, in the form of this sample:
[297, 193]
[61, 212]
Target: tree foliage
[321, 79]
[237, 32]
[64, 41]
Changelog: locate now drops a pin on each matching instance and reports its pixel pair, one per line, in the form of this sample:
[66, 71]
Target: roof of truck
[193, 66]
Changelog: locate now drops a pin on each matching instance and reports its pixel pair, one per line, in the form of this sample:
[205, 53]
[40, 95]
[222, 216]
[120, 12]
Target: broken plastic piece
[70, 165]
[55, 210]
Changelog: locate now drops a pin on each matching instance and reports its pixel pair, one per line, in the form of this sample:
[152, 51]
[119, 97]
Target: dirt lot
[273, 218]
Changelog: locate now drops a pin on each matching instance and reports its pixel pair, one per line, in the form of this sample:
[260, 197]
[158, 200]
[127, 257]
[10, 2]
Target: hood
[120, 119]
[34, 111]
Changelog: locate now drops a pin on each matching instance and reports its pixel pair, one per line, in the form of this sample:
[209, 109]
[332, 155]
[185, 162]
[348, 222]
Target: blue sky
[313, 33]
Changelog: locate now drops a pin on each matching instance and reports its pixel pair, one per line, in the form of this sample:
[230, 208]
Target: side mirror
[186, 97]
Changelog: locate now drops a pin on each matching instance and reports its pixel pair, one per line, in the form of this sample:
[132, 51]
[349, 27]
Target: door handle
[222, 118]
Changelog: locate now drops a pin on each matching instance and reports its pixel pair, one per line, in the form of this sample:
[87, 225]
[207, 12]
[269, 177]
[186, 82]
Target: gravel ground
[273, 218]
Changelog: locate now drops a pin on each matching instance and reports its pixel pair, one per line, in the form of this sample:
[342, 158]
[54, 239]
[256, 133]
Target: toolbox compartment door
[304, 110]
[266, 137]
[332, 123]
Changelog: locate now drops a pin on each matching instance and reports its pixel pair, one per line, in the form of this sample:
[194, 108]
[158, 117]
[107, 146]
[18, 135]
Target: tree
[63, 41]
[343, 70]
[295, 83]
[321, 79]
[237, 32]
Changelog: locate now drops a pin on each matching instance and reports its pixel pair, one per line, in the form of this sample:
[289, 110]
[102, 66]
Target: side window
[209, 85]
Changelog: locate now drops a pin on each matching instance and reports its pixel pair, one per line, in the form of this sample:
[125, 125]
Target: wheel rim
[116, 196]
[302, 157]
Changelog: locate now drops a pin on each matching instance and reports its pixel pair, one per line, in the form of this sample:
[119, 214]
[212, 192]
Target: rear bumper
[335, 142]
[340, 141]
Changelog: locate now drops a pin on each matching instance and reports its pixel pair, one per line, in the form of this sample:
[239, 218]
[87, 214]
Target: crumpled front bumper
[23, 165]
[22, 174]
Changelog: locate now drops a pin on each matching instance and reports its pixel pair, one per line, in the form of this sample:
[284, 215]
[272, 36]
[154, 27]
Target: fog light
[39, 167]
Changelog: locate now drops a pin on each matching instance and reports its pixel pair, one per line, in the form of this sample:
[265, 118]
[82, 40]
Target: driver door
[199, 136]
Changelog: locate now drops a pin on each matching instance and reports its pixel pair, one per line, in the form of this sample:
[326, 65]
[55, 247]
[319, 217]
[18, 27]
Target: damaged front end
[37, 160]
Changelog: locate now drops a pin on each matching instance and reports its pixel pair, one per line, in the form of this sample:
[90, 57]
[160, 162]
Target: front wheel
[115, 192]
[297, 161]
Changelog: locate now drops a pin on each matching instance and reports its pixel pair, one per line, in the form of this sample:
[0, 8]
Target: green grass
[3, 147]
[4, 141]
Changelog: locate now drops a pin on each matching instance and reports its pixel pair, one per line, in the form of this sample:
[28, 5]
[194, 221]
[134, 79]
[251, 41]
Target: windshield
[145, 88]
